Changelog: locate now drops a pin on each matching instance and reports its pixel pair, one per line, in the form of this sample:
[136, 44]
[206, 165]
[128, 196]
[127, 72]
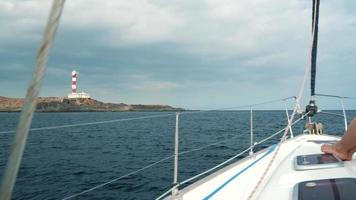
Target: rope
[331, 113]
[116, 179]
[274, 155]
[19, 144]
[300, 94]
[93, 123]
[243, 106]
[334, 96]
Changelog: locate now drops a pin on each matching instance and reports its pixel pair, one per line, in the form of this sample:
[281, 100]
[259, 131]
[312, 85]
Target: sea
[66, 160]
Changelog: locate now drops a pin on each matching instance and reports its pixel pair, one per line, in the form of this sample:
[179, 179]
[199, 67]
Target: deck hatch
[316, 161]
[326, 189]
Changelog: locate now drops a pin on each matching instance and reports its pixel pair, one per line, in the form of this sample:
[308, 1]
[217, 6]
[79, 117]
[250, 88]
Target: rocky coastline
[62, 104]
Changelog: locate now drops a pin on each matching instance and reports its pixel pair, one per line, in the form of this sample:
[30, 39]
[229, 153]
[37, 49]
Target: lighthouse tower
[75, 94]
[74, 82]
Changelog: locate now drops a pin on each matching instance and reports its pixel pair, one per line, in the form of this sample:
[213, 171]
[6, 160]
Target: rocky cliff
[60, 104]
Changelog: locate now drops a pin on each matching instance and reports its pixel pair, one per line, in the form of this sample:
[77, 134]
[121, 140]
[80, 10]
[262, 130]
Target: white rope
[297, 105]
[19, 144]
[116, 179]
[275, 153]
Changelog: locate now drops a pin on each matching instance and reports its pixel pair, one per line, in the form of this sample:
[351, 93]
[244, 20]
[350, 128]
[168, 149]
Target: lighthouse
[74, 82]
[75, 94]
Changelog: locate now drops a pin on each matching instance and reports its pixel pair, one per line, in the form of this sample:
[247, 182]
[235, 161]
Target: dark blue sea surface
[60, 162]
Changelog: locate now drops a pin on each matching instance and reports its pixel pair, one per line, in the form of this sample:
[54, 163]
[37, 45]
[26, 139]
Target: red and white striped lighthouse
[74, 81]
[75, 94]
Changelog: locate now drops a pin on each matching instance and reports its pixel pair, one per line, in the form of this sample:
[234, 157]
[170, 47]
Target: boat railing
[342, 104]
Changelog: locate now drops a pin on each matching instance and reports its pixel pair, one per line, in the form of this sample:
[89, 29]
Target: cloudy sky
[192, 54]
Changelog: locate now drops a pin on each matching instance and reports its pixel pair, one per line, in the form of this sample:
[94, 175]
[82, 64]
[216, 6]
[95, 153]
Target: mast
[315, 25]
[312, 108]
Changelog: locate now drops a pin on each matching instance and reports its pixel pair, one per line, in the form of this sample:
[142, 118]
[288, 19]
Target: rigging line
[299, 97]
[116, 179]
[334, 96]
[19, 143]
[243, 106]
[93, 123]
[274, 154]
[300, 94]
[331, 113]
[143, 117]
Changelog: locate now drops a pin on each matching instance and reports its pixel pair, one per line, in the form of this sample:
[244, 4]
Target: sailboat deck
[238, 180]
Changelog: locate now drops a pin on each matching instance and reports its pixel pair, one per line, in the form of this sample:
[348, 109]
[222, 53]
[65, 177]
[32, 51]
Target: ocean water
[60, 162]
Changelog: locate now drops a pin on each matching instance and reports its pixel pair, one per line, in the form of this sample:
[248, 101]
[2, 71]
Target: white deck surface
[237, 180]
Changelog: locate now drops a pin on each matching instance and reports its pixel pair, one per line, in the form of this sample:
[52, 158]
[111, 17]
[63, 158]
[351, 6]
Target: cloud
[168, 51]
[147, 84]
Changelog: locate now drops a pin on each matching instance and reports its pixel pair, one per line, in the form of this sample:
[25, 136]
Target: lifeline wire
[93, 123]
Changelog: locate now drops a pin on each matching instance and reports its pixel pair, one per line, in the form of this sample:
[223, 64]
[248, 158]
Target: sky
[201, 54]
